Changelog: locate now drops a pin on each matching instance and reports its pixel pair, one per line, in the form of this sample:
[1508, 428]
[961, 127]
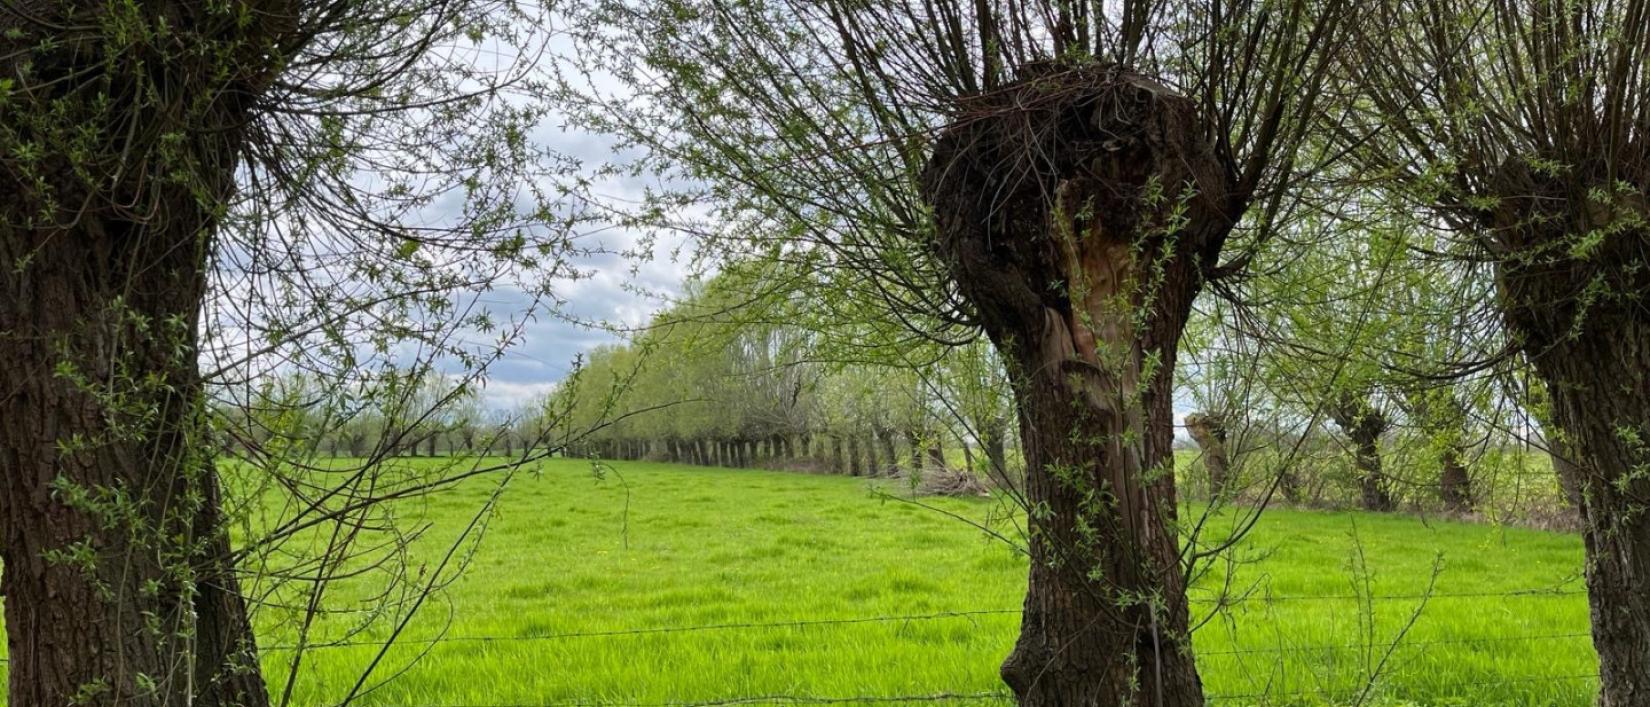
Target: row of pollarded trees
[1065, 177]
[695, 389]
[437, 416]
[1390, 355]
[1068, 178]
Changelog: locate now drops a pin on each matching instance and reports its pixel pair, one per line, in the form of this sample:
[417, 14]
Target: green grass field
[730, 550]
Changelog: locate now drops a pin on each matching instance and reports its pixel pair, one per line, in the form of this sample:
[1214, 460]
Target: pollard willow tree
[1063, 175]
[192, 192]
[1526, 125]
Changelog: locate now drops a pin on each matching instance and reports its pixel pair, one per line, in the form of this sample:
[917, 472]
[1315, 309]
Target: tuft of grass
[796, 585]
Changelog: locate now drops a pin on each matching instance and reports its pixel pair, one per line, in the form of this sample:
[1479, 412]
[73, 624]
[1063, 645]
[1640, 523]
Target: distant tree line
[695, 389]
[436, 415]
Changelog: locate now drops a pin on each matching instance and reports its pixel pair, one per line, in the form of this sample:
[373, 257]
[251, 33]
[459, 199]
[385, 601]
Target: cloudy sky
[612, 296]
[614, 293]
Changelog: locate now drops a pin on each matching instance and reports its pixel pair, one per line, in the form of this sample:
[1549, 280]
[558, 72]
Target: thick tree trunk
[117, 575]
[1210, 435]
[1598, 381]
[1364, 425]
[913, 443]
[854, 459]
[836, 454]
[1600, 391]
[1454, 483]
[890, 454]
[1579, 315]
[1077, 211]
[116, 572]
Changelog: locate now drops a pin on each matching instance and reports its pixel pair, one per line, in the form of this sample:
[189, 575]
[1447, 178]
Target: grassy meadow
[576, 592]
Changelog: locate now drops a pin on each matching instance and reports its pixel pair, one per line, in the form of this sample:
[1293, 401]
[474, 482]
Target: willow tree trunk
[1581, 321]
[1454, 482]
[936, 456]
[1364, 425]
[116, 562]
[1210, 435]
[1078, 209]
[1600, 391]
[890, 454]
[118, 582]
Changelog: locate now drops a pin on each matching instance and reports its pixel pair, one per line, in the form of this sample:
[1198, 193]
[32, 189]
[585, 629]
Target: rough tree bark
[1364, 425]
[1581, 321]
[1569, 478]
[109, 513]
[1210, 434]
[1078, 208]
[118, 582]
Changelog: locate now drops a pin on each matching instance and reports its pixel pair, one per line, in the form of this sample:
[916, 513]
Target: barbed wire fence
[1002, 695]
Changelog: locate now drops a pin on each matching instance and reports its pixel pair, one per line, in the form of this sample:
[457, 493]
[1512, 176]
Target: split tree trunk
[1364, 425]
[1077, 210]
